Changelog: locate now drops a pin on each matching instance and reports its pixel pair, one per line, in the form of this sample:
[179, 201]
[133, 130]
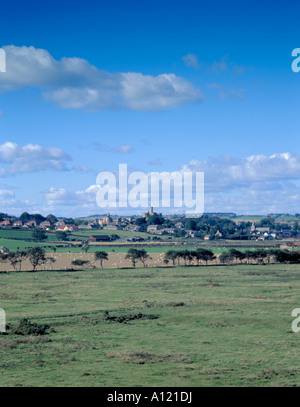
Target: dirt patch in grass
[125, 318]
[175, 304]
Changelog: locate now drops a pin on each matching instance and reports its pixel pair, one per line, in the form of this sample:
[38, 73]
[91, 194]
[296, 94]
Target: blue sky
[159, 85]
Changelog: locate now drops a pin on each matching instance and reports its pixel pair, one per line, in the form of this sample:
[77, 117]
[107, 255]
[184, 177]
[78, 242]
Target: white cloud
[75, 83]
[255, 184]
[31, 158]
[7, 197]
[63, 197]
[227, 172]
[145, 92]
[280, 198]
[10, 204]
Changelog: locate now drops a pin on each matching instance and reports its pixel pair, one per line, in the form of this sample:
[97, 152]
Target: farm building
[99, 238]
[112, 227]
[133, 228]
[153, 229]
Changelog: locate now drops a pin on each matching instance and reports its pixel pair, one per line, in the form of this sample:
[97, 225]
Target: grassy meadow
[215, 326]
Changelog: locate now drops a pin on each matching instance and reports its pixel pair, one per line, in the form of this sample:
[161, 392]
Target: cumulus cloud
[61, 196]
[75, 83]
[7, 197]
[31, 158]
[254, 184]
[228, 173]
[10, 204]
[255, 202]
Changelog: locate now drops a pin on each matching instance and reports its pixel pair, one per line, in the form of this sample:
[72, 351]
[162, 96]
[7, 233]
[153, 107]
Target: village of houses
[167, 226]
[151, 229]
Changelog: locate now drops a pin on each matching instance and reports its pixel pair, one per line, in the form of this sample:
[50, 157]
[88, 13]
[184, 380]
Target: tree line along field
[189, 326]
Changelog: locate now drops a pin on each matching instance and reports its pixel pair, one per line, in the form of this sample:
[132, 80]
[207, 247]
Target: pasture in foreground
[198, 326]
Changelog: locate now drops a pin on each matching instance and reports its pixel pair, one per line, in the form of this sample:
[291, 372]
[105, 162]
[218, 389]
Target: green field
[15, 234]
[14, 239]
[84, 234]
[234, 329]
[277, 219]
[13, 244]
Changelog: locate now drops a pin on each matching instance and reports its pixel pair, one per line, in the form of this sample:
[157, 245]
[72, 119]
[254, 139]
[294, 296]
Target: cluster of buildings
[25, 225]
[177, 227]
[32, 224]
[266, 233]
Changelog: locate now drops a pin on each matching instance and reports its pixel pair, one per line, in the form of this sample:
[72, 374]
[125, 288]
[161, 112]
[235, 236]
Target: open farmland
[202, 326]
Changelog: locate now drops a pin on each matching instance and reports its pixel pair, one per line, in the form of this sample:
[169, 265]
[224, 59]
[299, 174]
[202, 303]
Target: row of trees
[188, 256]
[200, 256]
[36, 256]
[259, 256]
[135, 255]
[141, 255]
[231, 256]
